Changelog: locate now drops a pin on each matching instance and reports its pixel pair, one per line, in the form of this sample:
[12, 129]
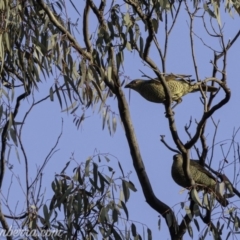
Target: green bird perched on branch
[203, 178]
[153, 90]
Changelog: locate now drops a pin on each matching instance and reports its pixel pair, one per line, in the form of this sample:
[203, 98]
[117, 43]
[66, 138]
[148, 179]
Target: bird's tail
[209, 88]
[206, 88]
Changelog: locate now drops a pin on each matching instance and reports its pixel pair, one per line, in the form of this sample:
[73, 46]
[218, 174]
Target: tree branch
[56, 23]
[209, 113]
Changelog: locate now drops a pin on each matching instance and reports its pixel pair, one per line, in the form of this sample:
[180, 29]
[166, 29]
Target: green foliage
[89, 203]
[36, 43]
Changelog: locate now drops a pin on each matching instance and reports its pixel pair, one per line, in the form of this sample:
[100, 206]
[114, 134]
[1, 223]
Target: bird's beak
[128, 85]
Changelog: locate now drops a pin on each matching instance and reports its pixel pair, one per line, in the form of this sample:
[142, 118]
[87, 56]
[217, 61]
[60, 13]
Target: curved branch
[2, 154]
[229, 44]
[168, 101]
[209, 113]
[166, 145]
[151, 199]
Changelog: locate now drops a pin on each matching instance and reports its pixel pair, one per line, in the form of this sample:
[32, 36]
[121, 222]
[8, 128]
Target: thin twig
[209, 113]
[166, 145]
[191, 16]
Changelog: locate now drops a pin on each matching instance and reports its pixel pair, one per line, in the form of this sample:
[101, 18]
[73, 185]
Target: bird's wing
[196, 164]
[154, 81]
[190, 81]
[167, 78]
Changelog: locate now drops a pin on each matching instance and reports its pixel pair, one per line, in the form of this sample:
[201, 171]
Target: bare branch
[191, 16]
[86, 27]
[209, 113]
[151, 199]
[166, 145]
[230, 44]
[175, 17]
[51, 152]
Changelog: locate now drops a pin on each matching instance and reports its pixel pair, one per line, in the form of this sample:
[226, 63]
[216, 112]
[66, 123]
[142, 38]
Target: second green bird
[203, 178]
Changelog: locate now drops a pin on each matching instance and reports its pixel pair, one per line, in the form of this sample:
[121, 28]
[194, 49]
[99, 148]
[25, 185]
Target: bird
[203, 178]
[153, 91]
